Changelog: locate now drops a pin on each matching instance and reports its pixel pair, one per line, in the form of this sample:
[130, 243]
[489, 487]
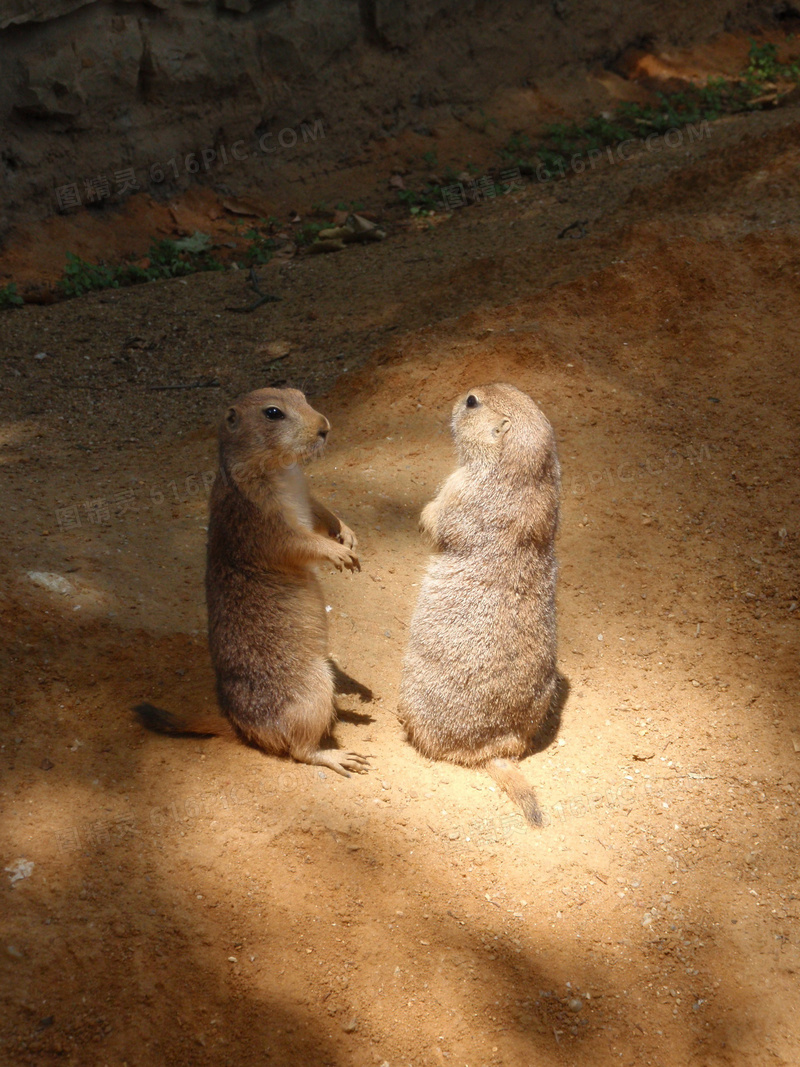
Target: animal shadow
[345, 685]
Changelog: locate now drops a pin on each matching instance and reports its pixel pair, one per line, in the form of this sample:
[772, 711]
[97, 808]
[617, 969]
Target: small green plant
[422, 202]
[167, 259]
[570, 146]
[519, 152]
[81, 277]
[353, 205]
[174, 259]
[430, 159]
[308, 234]
[9, 297]
[261, 244]
[763, 65]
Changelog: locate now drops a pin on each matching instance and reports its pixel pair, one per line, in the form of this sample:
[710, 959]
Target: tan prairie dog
[267, 625]
[479, 675]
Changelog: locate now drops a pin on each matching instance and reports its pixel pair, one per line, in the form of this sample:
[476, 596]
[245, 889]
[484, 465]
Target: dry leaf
[241, 207]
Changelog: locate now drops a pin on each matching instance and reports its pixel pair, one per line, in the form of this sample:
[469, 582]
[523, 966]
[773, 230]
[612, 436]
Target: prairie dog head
[270, 429]
[498, 425]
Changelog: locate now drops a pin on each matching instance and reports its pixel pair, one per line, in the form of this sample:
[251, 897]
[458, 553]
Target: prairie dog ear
[232, 419]
[501, 428]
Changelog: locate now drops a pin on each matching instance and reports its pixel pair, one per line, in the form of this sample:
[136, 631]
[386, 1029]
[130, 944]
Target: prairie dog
[267, 625]
[479, 675]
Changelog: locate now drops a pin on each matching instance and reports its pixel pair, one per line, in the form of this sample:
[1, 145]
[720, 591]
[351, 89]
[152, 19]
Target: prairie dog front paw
[342, 557]
[346, 536]
[427, 520]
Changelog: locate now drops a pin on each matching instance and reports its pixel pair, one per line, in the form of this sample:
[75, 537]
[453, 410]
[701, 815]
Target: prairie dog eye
[472, 401]
[273, 414]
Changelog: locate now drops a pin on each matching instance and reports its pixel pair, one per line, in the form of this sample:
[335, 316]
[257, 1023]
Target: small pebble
[20, 869]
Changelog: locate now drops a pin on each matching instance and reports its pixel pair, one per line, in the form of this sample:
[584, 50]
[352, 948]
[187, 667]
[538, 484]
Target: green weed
[423, 201]
[763, 65]
[82, 277]
[9, 297]
[567, 146]
[167, 259]
[308, 234]
[261, 244]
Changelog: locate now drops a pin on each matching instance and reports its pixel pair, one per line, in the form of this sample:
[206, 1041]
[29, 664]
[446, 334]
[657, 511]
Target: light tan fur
[479, 675]
[266, 613]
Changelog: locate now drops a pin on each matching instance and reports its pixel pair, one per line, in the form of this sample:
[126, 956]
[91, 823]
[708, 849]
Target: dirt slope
[194, 902]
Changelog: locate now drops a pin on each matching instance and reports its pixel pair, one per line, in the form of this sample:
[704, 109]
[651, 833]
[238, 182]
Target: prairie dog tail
[513, 783]
[204, 724]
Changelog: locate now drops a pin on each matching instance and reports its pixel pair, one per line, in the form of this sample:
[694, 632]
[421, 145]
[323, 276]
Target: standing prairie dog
[267, 625]
[479, 675]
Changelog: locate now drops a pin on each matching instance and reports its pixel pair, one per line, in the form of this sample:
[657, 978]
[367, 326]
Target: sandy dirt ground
[190, 901]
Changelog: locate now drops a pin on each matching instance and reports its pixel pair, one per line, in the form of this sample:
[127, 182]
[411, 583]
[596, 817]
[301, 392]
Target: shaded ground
[194, 902]
[311, 173]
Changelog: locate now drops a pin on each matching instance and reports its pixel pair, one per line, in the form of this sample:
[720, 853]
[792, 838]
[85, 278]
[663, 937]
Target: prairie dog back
[479, 675]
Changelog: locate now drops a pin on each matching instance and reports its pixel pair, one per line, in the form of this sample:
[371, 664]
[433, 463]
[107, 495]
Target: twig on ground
[203, 383]
[579, 225]
[263, 298]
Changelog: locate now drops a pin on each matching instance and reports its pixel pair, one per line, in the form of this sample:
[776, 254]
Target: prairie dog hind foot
[335, 759]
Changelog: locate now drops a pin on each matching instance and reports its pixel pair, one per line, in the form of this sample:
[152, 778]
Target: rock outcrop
[106, 97]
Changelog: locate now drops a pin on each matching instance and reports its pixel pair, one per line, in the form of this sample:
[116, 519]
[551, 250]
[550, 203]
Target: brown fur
[479, 676]
[267, 626]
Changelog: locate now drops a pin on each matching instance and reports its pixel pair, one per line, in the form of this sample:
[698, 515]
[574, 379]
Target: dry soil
[185, 901]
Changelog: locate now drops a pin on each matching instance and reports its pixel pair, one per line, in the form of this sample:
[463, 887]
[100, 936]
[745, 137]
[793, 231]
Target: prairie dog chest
[454, 489]
[293, 493]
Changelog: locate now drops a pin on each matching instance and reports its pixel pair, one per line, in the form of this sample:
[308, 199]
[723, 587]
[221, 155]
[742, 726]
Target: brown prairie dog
[267, 625]
[479, 675]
